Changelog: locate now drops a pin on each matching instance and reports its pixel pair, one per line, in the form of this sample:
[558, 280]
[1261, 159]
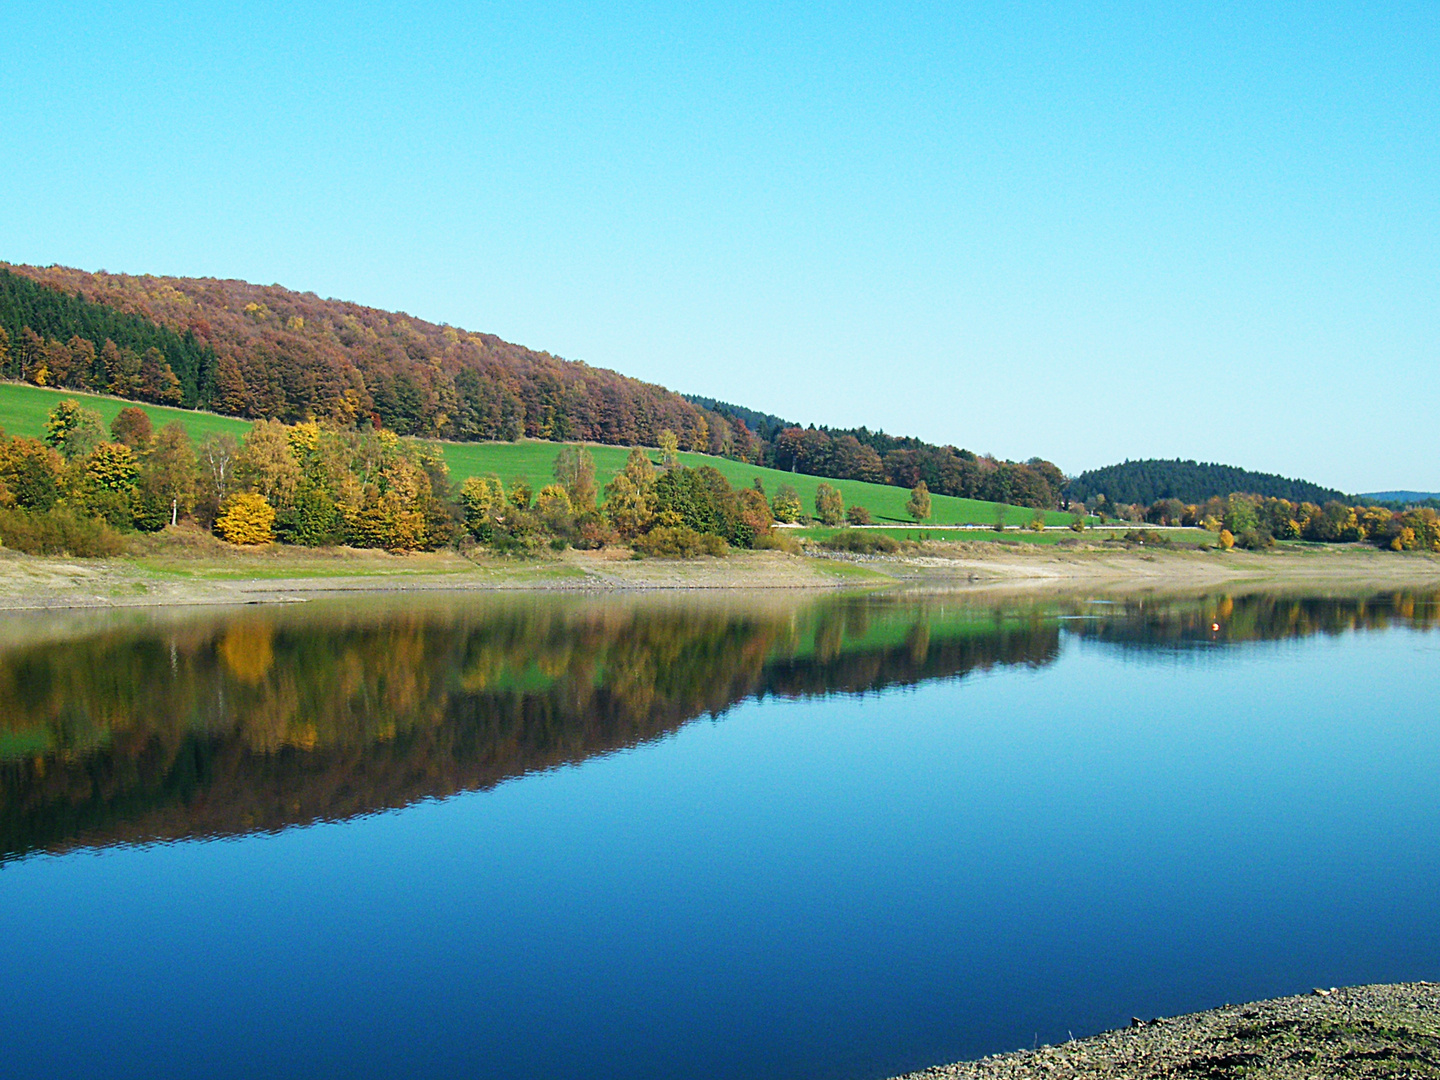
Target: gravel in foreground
[1363, 1031]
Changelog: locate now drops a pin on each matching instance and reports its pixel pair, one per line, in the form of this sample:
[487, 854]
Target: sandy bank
[277, 575]
[1363, 1031]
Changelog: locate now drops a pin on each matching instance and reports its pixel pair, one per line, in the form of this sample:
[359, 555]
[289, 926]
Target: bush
[679, 542]
[1227, 540]
[778, 541]
[1255, 540]
[60, 531]
[857, 515]
[246, 518]
[593, 532]
[862, 543]
[786, 506]
[1146, 538]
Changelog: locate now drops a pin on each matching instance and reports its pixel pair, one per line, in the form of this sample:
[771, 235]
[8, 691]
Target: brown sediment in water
[1386, 1030]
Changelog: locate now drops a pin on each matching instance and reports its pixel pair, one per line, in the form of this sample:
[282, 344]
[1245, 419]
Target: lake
[668, 836]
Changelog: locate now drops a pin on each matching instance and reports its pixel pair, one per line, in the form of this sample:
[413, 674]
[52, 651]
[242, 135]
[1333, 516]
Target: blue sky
[1087, 232]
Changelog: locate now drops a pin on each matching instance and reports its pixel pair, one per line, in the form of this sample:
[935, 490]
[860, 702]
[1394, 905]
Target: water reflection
[174, 726]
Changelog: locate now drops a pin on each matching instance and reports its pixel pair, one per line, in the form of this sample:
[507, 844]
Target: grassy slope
[1025, 536]
[23, 409]
[533, 460]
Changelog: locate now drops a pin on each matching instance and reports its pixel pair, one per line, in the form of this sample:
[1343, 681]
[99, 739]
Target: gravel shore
[1362, 1031]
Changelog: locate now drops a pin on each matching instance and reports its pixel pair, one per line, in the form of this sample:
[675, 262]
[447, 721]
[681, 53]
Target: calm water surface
[664, 838]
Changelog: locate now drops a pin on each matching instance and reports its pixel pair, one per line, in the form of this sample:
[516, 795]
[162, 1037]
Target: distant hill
[1190, 482]
[1400, 497]
[264, 351]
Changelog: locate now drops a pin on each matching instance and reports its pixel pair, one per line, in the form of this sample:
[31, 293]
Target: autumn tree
[629, 497]
[121, 370]
[829, 504]
[520, 493]
[132, 428]
[157, 380]
[483, 498]
[104, 484]
[165, 488]
[267, 464]
[112, 466]
[919, 505]
[217, 471]
[555, 511]
[246, 518]
[786, 505]
[31, 473]
[73, 429]
[755, 512]
[669, 449]
[574, 469]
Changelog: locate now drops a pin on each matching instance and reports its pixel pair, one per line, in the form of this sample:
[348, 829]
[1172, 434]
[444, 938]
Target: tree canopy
[1149, 481]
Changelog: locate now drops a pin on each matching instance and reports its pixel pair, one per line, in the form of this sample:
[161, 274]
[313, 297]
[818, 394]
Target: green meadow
[533, 461]
[1017, 535]
[23, 409]
[954, 535]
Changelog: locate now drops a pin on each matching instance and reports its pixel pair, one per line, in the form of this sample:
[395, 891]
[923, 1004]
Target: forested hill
[264, 351]
[1147, 482]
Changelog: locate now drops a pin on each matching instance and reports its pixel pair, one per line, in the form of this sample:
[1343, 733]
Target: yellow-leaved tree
[246, 518]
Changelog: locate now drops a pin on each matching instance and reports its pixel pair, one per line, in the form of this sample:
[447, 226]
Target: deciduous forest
[267, 352]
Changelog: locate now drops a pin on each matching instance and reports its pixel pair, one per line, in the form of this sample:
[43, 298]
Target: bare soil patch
[194, 569]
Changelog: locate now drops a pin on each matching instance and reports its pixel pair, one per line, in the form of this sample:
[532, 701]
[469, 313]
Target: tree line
[320, 484]
[901, 461]
[266, 352]
[1147, 482]
[1257, 521]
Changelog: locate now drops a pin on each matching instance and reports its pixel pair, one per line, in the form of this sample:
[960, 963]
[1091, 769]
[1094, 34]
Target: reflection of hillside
[275, 718]
[1191, 624]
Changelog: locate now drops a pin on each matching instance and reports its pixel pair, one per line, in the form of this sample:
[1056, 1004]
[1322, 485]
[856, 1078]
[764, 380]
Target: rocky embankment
[1362, 1031]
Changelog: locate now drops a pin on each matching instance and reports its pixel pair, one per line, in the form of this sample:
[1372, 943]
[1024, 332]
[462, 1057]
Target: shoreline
[1383, 1029]
[178, 576]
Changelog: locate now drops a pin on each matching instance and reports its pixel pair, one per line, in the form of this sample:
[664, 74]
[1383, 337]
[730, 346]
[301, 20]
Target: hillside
[23, 410]
[1147, 482]
[1407, 498]
[264, 351]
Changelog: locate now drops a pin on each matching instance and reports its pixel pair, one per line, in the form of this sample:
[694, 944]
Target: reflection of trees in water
[271, 719]
[274, 718]
[1182, 625]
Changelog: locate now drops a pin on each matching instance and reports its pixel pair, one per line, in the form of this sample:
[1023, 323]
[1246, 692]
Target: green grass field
[23, 409]
[1180, 537]
[533, 460]
[956, 535]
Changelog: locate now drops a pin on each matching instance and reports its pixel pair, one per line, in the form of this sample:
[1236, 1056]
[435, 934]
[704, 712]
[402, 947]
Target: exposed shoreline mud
[277, 575]
[1389, 1030]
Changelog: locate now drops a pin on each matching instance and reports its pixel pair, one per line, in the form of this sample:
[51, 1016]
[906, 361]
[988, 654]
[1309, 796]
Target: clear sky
[1083, 231]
